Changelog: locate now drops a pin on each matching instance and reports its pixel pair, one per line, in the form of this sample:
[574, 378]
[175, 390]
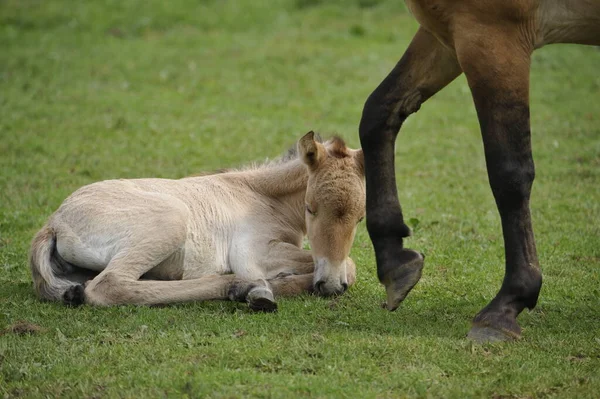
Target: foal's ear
[359, 158]
[312, 152]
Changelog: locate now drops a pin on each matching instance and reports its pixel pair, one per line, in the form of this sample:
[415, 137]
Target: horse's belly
[204, 255]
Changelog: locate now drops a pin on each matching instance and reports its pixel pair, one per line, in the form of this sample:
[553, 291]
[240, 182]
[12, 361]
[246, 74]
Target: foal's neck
[286, 184]
[282, 180]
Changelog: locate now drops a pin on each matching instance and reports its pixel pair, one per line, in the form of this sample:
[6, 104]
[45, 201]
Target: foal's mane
[336, 147]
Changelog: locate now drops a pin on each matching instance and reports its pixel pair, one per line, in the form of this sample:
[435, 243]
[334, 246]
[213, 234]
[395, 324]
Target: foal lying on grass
[235, 235]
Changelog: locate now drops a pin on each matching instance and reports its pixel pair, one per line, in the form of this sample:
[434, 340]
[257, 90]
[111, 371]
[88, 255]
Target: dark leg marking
[258, 296]
[74, 296]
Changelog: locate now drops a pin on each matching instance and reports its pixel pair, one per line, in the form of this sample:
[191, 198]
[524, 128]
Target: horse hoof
[400, 280]
[74, 295]
[494, 326]
[260, 299]
[487, 334]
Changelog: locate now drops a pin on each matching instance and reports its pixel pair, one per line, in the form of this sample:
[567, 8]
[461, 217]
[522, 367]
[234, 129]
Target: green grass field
[92, 90]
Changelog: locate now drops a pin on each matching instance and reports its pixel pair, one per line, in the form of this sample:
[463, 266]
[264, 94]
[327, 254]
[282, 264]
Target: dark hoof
[74, 296]
[491, 326]
[399, 280]
[486, 334]
[239, 289]
[260, 299]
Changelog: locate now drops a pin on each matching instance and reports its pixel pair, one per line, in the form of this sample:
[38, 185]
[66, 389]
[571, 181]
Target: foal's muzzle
[322, 289]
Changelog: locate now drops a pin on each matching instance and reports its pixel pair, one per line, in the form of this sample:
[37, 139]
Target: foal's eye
[310, 211]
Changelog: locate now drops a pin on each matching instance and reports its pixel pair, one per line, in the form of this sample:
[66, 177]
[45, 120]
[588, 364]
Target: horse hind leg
[120, 284]
[74, 295]
[113, 289]
[75, 274]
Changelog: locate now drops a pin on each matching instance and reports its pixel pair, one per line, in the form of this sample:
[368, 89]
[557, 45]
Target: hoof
[260, 299]
[487, 334]
[491, 326]
[401, 279]
[74, 296]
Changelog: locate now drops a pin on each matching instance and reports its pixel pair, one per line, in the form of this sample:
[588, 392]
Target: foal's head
[335, 204]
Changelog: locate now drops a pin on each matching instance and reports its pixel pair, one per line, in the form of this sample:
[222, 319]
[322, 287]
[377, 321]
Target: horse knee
[383, 225]
[511, 182]
[105, 290]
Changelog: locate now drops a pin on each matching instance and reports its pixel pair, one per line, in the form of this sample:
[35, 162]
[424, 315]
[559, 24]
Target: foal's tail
[48, 276]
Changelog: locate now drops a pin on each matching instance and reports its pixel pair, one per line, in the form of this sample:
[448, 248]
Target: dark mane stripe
[337, 148]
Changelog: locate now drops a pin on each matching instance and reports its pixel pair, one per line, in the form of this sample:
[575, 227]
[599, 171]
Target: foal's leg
[425, 68]
[499, 82]
[296, 284]
[292, 285]
[285, 258]
[113, 289]
[163, 235]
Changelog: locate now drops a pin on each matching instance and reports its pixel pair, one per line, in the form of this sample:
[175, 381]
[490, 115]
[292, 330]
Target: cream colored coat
[218, 236]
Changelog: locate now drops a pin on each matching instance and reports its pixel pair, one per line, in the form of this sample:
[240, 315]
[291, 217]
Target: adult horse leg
[425, 68]
[499, 82]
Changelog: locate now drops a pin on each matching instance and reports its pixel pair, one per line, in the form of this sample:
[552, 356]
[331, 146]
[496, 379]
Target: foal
[235, 235]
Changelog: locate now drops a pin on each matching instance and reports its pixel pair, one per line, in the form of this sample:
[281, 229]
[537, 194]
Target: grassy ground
[107, 89]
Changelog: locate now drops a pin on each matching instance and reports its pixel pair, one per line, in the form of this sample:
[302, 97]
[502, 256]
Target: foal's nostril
[344, 287]
[319, 285]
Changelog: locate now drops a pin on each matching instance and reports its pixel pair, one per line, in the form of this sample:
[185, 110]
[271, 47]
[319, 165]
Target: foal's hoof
[74, 295]
[398, 281]
[260, 299]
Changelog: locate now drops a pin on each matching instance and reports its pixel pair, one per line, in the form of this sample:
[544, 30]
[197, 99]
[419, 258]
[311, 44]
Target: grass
[112, 89]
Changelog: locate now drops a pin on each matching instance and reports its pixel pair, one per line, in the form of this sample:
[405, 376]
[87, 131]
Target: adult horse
[234, 235]
[491, 41]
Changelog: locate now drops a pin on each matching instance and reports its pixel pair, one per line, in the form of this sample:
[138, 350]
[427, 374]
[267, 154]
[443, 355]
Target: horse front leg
[290, 284]
[290, 269]
[499, 82]
[284, 259]
[426, 67]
